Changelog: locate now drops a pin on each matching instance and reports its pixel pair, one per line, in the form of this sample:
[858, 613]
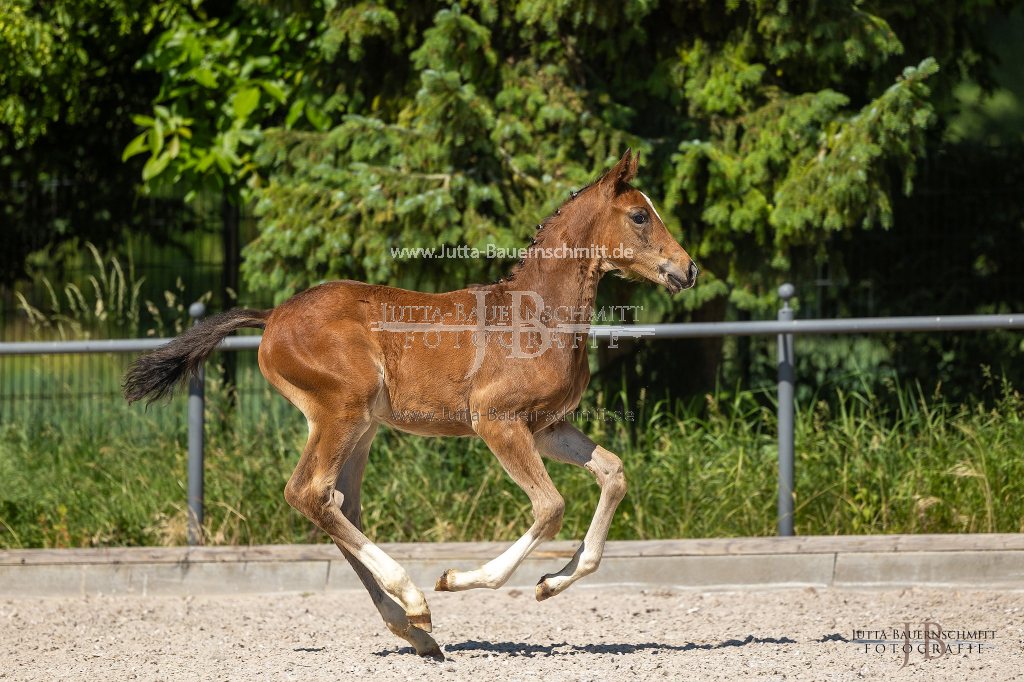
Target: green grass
[109, 475]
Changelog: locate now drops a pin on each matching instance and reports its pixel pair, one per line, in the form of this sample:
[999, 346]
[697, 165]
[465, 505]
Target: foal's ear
[620, 174]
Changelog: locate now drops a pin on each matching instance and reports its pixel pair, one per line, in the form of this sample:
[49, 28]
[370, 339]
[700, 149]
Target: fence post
[786, 415]
[196, 400]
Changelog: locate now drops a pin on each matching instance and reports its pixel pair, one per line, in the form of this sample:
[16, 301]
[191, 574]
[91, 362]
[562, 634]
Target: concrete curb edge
[981, 561]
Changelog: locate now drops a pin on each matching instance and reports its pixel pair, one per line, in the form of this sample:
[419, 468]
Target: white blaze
[651, 204]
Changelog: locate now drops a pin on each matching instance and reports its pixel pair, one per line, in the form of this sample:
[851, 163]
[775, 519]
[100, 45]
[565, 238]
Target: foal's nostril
[676, 278]
[693, 273]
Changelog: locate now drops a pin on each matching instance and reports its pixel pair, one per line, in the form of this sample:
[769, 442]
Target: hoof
[434, 654]
[544, 591]
[421, 621]
[442, 582]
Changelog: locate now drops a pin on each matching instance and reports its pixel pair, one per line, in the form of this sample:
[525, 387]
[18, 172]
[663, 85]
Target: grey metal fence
[785, 327]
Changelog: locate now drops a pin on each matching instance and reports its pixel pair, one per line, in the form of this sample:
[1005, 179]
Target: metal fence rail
[678, 330]
[113, 345]
[786, 327]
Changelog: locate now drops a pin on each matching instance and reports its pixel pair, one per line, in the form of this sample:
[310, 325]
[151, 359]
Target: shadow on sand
[513, 649]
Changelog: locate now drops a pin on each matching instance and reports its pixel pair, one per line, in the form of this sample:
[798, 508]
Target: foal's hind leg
[564, 443]
[393, 613]
[348, 488]
[512, 444]
[311, 490]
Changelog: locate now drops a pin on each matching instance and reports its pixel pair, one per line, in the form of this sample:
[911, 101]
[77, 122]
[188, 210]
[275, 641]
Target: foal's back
[320, 349]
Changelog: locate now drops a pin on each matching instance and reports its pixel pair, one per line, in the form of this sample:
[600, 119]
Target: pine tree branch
[528, 179]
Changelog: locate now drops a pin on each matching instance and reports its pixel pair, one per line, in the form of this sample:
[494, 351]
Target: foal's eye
[639, 218]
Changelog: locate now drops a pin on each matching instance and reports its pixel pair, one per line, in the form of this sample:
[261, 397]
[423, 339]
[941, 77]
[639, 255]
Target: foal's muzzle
[676, 278]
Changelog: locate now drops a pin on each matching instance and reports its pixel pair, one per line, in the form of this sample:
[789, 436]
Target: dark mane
[536, 241]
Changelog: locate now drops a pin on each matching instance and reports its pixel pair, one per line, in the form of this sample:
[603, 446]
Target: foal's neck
[563, 267]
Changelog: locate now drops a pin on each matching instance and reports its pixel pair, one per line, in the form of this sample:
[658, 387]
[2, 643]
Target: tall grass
[110, 305]
[908, 463]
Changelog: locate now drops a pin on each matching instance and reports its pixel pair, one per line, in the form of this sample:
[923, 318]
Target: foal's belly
[429, 421]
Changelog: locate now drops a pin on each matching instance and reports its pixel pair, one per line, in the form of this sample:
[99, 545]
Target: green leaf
[223, 162]
[205, 77]
[205, 162]
[156, 140]
[320, 120]
[294, 112]
[155, 166]
[245, 102]
[136, 146]
[275, 91]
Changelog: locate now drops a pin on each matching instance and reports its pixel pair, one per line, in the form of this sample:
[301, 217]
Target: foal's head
[635, 240]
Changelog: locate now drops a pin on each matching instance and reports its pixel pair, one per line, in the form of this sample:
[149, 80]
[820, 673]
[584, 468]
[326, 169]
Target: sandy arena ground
[584, 634]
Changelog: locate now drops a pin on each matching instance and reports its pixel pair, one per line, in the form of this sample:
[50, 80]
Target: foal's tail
[158, 373]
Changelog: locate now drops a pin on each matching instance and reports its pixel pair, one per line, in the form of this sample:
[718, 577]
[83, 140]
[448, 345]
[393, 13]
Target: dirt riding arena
[584, 634]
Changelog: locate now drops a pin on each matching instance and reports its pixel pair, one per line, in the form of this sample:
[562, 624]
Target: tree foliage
[367, 126]
[220, 81]
[67, 90]
[46, 64]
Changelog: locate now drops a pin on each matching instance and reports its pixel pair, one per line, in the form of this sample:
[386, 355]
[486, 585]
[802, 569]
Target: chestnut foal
[346, 355]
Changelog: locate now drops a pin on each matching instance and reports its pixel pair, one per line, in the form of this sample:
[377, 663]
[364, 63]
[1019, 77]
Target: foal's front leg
[564, 443]
[512, 443]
